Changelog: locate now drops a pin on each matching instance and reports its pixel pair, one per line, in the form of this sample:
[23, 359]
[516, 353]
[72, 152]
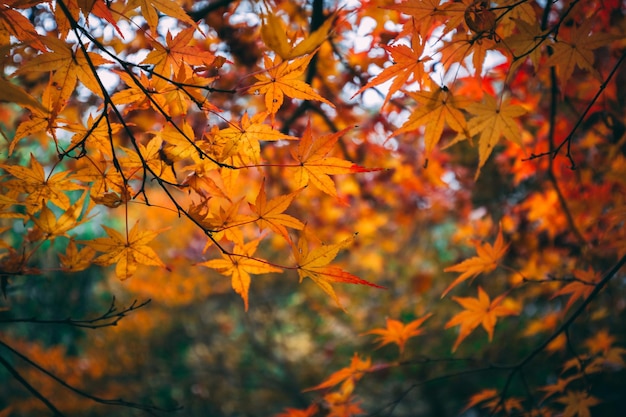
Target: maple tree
[461, 163]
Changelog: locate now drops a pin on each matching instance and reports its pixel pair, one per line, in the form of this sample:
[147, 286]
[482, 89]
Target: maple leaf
[171, 8]
[315, 265]
[314, 166]
[53, 227]
[435, 108]
[577, 403]
[178, 52]
[492, 121]
[407, 66]
[12, 93]
[559, 386]
[239, 265]
[67, 66]
[271, 212]
[126, 251]
[427, 14]
[398, 333]
[310, 411]
[579, 289]
[275, 37]
[39, 187]
[358, 367]
[241, 141]
[577, 51]
[486, 261]
[478, 311]
[75, 260]
[282, 79]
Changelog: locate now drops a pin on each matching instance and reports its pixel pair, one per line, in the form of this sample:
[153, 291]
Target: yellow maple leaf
[486, 261]
[435, 109]
[150, 9]
[239, 265]
[242, 141]
[493, 120]
[283, 79]
[271, 212]
[39, 187]
[398, 333]
[126, 251]
[274, 35]
[478, 311]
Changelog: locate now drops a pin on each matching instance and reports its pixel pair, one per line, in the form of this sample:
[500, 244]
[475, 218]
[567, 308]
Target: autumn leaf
[407, 67]
[52, 227]
[75, 260]
[179, 51]
[68, 66]
[126, 251]
[358, 367]
[478, 311]
[271, 212]
[586, 282]
[150, 9]
[435, 109]
[576, 50]
[239, 265]
[242, 140]
[314, 166]
[283, 79]
[486, 261]
[39, 187]
[315, 265]
[398, 333]
[12, 93]
[577, 403]
[493, 120]
[310, 411]
[275, 37]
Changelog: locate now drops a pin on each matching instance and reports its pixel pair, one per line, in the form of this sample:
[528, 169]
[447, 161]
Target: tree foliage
[158, 156]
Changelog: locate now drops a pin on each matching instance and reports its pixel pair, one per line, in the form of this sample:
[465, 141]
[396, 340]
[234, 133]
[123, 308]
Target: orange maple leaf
[271, 212]
[577, 403]
[398, 333]
[314, 165]
[315, 265]
[75, 260]
[358, 367]
[478, 311]
[408, 66]
[178, 52]
[239, 265]
[126, 251]
[310, 411]
[579, 289]
[283, 79]
[493, 120]
[486, 261]
[577, 51]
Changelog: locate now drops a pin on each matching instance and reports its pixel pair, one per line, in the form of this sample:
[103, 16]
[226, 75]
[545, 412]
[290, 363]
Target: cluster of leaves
[180, 138]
